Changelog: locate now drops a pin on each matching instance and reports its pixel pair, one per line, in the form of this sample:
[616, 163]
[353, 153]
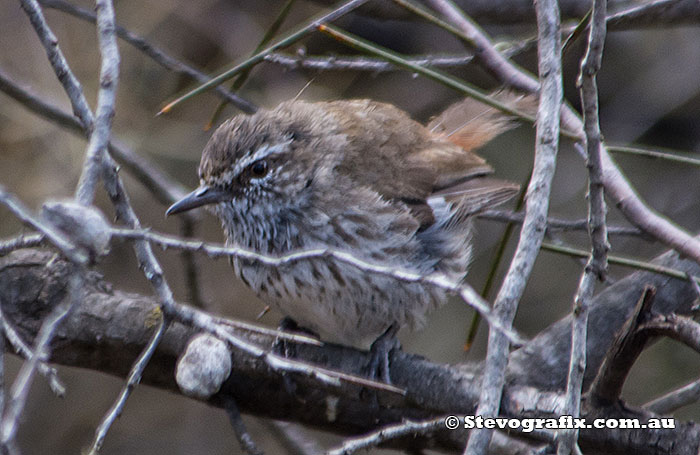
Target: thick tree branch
[108, 330]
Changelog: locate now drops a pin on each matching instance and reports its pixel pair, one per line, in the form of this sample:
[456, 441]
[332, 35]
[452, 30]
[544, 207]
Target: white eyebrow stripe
[259, 154]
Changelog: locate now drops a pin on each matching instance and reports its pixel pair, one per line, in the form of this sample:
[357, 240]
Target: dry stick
[22, 349]
[58, 239]
[203, 321]
[244, 438]
[627, 262]
[132, 380]
[623, 352]
[96, 154]
[616, 185]
[533, 229]
[554, 224]
[388, 433]
[597, 264]
[374, 65]
[243, 76]
[466, 292]
[631, 343]
[288, 40]
[165, 189]
[657, 13]
[159, 56]
[106, 97]
[679, 328]
[70, 83]
[98, 128]
[675, 157]
[291, 438]
[25, 377]
[21, 241]
[676, 399]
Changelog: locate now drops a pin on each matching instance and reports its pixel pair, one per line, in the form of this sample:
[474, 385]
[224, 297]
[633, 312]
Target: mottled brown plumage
[357, 176]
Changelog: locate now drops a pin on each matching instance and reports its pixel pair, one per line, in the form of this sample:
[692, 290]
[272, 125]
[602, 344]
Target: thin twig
[158, 55]
[676, 327]
[617, 188]
[388, 433]
[106, 97]
[243, 76]
[292, 438]
[59, 240]
[486, 53]
[189, 315]
[70, 83]
[446, 79]
[623, 352]
[597, 264]
[626, 262]
[296, 35]
[132, 380]
[439, 280]
[21, 241]
[555, 224]
[165, 189]
[244, 438]
[654, 154]
[21, 348]
[361, 63]
[657, 13]
[194, 296]
[676, 399]
[536, 208]
[25, 377]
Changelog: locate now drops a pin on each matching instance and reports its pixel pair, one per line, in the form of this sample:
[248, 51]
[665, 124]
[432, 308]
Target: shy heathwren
[355, 176]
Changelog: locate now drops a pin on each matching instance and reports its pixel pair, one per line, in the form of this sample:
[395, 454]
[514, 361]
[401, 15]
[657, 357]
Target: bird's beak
[201, 196]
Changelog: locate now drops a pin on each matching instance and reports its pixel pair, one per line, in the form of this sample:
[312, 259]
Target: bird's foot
[378, 366]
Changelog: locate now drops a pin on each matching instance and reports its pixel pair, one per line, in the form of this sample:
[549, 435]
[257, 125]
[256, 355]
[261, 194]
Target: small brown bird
[360, 177]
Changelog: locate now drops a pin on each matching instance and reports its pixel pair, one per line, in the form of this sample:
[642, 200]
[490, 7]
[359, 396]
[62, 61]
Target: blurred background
[650, 96]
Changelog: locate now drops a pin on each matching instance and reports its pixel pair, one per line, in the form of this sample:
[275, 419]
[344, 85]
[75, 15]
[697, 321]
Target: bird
[359, 177]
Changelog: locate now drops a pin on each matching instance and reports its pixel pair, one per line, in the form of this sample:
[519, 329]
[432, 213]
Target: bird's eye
[259, 169]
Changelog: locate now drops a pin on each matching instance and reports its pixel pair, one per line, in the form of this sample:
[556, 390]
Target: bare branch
[58, 239]
[21, 348]
[70, 83]
[109, 326]
[21, 241]
[466, 292]
[159, 56]
[376, 438]
[244, 438]
[537, 206]
[352, 63]
[337, 12]
[616, 185]
[132, 380]
[656, 13]
[628, 345]
[666, 404]
[555, 224]
[679, 328]
[106, 97]
[597, 264]
[39, 355]
[165, 189]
